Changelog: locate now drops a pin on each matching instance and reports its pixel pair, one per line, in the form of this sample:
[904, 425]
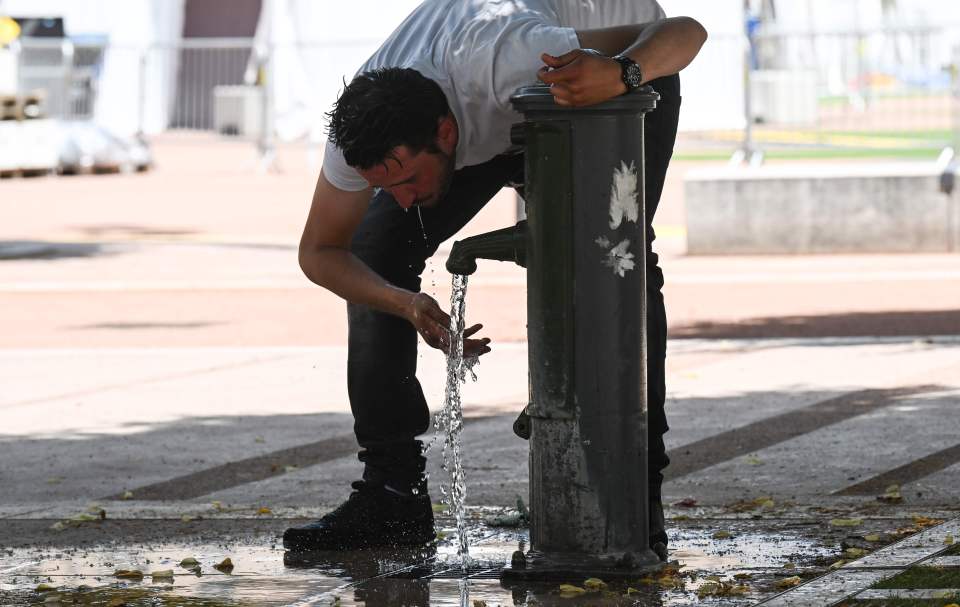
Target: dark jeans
[387, 401]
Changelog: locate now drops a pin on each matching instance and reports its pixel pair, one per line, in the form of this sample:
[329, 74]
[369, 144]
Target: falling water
[450, 419]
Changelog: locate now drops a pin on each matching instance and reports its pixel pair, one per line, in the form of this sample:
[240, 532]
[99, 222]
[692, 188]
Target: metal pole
[142, 94]
[748, 151]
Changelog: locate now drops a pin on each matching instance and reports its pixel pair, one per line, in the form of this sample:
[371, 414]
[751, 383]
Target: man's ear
[447, 134]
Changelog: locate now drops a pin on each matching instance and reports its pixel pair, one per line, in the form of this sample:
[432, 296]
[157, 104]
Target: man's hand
[433, 324]
[581, 77]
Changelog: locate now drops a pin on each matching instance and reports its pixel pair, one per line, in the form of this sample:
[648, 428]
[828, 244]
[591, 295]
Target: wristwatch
[630, 72]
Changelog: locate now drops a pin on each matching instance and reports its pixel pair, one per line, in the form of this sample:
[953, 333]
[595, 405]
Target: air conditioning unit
[238, 110]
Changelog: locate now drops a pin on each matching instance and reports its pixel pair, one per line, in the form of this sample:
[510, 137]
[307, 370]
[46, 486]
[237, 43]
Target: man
[426, 123]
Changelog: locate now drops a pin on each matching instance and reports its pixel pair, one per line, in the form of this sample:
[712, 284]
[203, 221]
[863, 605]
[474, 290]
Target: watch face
[633, 76]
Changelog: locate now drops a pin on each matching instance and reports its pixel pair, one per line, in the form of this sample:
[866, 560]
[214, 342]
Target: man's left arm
[660, 48]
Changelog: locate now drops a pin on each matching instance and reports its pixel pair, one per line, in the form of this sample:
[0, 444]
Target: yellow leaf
[189, 562]
[594, 584]
[753, 460]
[873, 537]
[163, 574]
[721, 535]
[632, 590]
[264, 510]
[127, 495]
[224, 566]
[647, 581]
[742, 576]
[217, 505]
[259, 439]
[680, 517]
[789, 582]
[569, 591]
[846, 522]
[45, 588]
[186, 518]
[128, 574]
[58, 526]
[838, 564]
[854, 552]
[789, 565]
[948, 540]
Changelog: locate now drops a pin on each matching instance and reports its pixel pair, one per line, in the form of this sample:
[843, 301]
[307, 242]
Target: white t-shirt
[479, 52]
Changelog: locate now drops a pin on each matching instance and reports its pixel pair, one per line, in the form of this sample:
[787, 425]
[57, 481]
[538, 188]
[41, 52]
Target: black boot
[658, 531]
[371, 516]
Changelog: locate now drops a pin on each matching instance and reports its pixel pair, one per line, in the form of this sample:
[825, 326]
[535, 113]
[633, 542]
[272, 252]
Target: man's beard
[446, 180]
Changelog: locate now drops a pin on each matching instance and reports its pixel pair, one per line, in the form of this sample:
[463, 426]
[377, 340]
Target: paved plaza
[164, 361]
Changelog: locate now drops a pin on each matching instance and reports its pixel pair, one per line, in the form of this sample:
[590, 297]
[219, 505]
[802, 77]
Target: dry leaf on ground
[789, 582]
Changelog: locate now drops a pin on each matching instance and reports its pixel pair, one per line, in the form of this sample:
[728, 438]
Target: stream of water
[449, 420]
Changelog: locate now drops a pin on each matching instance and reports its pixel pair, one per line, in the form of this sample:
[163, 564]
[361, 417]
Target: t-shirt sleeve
[518, 56]
[339, 173]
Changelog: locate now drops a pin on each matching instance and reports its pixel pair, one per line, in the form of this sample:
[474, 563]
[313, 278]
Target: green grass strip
[924, 577]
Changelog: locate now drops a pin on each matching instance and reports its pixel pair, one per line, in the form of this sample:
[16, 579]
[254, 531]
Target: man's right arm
[325, 255]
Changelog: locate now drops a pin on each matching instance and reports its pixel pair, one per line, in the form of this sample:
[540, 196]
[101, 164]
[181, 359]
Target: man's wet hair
[385, 108]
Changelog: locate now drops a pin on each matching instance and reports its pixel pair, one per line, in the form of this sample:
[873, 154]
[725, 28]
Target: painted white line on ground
[855, 577]
[952, 560]
[881, 594]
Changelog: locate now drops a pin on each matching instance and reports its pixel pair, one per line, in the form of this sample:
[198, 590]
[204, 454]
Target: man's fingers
[472, 330]
[475, 347]
[555, 61]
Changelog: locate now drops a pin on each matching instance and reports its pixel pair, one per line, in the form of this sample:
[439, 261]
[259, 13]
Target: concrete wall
[811, 208]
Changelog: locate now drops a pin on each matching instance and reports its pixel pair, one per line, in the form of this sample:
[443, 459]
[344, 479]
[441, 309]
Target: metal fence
[890, 91]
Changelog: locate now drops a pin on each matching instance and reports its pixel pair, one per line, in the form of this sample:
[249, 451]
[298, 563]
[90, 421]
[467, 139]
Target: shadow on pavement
[854, 324]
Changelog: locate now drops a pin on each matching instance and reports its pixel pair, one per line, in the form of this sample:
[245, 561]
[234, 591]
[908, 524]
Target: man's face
[420, 179]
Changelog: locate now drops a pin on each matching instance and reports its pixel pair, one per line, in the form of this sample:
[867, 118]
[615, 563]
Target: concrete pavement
[182, 374]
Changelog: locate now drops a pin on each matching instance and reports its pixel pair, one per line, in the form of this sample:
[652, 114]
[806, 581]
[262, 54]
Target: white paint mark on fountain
[620, 259]
[623, 195]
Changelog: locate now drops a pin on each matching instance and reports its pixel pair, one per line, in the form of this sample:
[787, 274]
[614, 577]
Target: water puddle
[434, 575]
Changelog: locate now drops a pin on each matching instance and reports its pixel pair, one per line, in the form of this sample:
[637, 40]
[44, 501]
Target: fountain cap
[537, 99]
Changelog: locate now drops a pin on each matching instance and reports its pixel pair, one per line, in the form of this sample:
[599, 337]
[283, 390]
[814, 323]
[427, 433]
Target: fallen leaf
[743, 576]
[441, 535]
[687, 502]
[789, 582]
[647, 581]
[680, 517]
[189, 563]
[45, 588]
[479, 603]
[753, 460]
[948, 540]
[854, 553]
[891, 495]
[58, 526]
[720, 588]
[632, 590]
[128, 574]
[838, 564]
[224, 566]
[82, 518]
[594, 584]
[789, 565]
[721, 535]
[54, 480]
[925, 521]
[952, 605]
[290, 468]
[217, 505]
[264, 510]
[568, 591]
[127, 495]
[259, 439]
[163, 574]
[846, 522]
[186, 518]
[873, 537]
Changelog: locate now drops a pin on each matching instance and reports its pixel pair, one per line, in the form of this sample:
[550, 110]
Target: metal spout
[506, 244]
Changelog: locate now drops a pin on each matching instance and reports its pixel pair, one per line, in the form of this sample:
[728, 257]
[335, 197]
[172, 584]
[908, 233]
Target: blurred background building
[810, 77]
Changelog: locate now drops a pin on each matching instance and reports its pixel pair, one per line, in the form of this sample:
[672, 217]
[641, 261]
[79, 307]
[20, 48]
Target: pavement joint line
[769, 431]
[901, 475]
[139, 382]
[822, 591]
